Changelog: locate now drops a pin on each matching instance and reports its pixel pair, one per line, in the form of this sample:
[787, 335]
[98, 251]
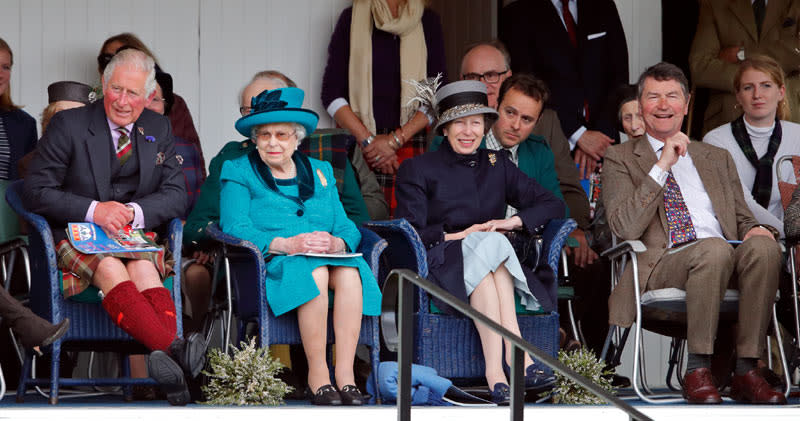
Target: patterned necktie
[124, 147]
[759, 10]
[679, 221]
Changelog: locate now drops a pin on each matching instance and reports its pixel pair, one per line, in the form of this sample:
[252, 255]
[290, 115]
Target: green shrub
[585, 363]
[248, 377]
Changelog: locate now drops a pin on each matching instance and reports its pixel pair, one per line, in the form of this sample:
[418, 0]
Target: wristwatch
[775, 233]
[740, 54]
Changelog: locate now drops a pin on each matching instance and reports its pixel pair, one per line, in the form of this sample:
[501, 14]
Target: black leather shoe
[325, 395]
[351, 395]
[169, 376]
[500, 394]
[190, 353]
[535, 378]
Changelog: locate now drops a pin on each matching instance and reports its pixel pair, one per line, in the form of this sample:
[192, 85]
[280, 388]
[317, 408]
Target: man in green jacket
[519, 111]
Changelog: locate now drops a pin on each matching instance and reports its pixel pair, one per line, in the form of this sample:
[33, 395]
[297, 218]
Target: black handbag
[528, 247]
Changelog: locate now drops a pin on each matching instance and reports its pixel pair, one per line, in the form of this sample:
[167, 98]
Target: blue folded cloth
[427, 387]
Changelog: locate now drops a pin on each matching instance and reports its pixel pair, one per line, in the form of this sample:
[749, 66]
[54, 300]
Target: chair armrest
[555, 235]
[371, 247]
[399, 229]
[405, 250]
[45, 291]
[624, 247]
[237, 249]
[175, 243]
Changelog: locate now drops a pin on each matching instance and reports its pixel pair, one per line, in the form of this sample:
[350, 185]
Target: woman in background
[760, 136]
[17, 128]
[376, 46]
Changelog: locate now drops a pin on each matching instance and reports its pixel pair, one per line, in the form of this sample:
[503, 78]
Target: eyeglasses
[281, 136]
[103, 59]
[157, 99]
[490, 76]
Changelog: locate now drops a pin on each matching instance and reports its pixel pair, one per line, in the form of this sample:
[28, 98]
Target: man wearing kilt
[113, 163]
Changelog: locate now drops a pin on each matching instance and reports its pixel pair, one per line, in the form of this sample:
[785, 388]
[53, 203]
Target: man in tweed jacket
[634, 181]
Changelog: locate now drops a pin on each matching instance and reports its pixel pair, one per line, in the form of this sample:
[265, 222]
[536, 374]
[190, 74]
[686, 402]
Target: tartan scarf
[762, 186]
[329, 147]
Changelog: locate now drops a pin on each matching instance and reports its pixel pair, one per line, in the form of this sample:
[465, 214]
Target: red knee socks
[161, 301]
[130, 310]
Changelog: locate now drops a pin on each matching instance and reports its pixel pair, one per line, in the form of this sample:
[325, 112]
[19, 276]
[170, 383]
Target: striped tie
[124, 147]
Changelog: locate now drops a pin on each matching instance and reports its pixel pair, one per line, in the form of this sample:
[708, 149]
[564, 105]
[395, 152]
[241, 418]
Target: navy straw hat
[284, 105]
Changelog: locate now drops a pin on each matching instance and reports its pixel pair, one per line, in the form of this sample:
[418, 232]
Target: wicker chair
[450, 344]
[245, 271]
[90, 326]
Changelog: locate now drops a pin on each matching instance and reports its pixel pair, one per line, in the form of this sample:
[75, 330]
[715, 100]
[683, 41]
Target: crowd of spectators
[521, 136]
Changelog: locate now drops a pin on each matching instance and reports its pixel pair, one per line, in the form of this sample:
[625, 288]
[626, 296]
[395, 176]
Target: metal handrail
[399, 333]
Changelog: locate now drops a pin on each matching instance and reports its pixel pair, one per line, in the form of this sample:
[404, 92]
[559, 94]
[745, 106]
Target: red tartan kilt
[78, 268]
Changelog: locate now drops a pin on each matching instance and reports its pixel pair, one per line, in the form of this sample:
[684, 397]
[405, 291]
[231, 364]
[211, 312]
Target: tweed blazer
[728, 23]
[635, 207]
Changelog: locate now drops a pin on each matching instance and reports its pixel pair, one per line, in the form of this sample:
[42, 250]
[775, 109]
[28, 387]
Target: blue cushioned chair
[246, 272]
[90, 326]
[450, 344]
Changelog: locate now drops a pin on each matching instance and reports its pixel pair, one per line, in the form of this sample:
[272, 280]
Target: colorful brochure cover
[89, 238]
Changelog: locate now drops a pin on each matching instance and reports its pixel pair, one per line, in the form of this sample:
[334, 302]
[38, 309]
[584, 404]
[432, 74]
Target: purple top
[385, 66]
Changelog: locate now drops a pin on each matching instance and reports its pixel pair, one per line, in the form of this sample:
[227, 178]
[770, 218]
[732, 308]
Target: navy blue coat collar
[305, 176]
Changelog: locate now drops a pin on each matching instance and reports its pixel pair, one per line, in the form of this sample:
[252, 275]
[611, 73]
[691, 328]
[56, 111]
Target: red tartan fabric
[414, 147]
[78, 268]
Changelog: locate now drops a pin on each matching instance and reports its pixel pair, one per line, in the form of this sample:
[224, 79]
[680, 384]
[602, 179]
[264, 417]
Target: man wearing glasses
[489, 63]
[531, 133]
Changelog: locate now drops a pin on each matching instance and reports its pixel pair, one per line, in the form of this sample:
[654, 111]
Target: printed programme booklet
[89, 238]
[340, 255]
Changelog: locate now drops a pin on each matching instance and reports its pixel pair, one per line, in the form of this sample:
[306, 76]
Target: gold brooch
[492, 158]
[322, 178]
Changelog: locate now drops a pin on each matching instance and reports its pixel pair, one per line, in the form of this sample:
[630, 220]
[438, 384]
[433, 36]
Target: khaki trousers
[705, 269]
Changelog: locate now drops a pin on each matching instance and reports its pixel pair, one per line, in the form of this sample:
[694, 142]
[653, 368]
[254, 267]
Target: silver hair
[274, 76]
[139, 61]
[300, 131]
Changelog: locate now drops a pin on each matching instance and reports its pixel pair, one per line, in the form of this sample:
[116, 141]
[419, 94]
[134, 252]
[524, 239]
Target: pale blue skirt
[484, 252]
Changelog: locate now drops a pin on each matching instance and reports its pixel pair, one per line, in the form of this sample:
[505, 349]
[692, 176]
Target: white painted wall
[212, 48]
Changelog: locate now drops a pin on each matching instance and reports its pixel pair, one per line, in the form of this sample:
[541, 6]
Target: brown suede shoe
[752, 388]
[698, 387]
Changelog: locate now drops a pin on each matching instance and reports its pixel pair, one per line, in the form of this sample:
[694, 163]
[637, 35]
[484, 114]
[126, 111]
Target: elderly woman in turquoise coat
[288, 206]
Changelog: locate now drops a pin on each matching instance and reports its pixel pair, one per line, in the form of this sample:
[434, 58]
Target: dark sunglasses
[103, 59]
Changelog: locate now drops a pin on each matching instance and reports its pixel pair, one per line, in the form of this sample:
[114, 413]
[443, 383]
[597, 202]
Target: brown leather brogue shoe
[752, 388]
[698, 387]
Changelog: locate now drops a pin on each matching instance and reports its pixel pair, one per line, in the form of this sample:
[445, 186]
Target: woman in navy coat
[456, 199]
[286, 203]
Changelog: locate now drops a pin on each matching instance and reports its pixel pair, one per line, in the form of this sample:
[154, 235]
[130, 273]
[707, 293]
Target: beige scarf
[413, 54]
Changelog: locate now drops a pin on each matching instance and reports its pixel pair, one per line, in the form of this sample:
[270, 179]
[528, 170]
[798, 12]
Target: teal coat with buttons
[252, 208]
